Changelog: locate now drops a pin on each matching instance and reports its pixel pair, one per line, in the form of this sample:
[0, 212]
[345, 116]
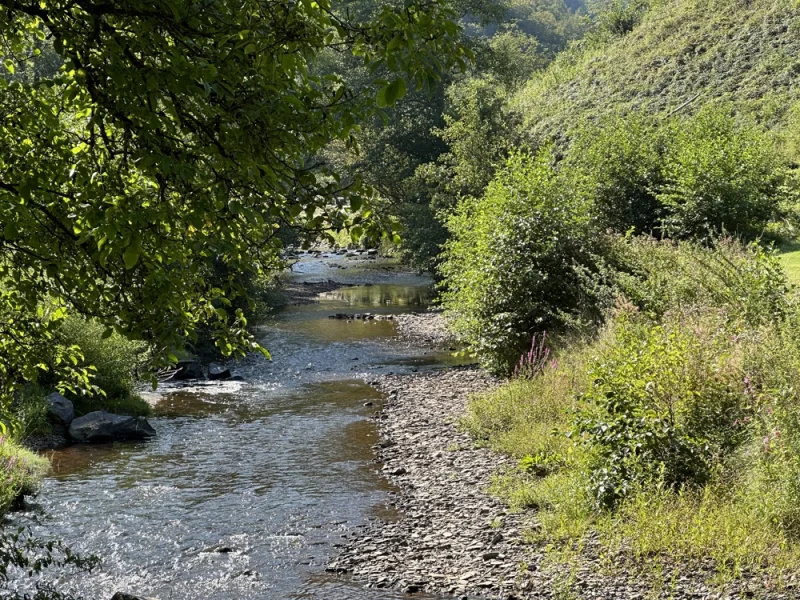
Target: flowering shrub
[535, 360]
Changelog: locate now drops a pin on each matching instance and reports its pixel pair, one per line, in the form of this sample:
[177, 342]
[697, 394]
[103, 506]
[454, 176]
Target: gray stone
[216, 372]
[188, 369]
[101, 426]
[59, 410]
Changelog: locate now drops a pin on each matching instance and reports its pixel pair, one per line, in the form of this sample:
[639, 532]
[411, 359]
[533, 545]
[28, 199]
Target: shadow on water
[275, 469]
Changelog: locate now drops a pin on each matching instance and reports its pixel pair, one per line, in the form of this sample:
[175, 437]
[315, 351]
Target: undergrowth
[20, 472]
[672, 436]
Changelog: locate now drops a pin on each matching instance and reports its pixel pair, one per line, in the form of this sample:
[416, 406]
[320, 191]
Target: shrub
[532, 253]
[116, 362]
[509, 267]
[619, 163]
[658, 276]
[665, 404]
[721, 174]
[673, 436]
[29, 411]
[20, 471]
[618, 17]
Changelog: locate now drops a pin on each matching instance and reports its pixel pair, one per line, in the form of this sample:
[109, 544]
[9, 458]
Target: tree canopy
[143, 142]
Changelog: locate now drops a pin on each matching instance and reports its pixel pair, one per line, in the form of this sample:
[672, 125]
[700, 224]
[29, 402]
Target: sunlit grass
[790, 259]
[20, 471]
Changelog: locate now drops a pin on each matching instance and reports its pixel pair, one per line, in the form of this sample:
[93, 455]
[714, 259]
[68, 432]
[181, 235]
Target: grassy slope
[790, 259]
[747, 53]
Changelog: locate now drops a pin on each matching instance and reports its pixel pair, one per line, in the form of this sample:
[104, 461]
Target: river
[249, 486]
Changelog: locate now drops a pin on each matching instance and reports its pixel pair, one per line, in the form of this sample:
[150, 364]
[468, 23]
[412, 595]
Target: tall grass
[116, 363]
[20, 472]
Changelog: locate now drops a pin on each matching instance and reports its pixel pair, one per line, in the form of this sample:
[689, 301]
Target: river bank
[454, 538]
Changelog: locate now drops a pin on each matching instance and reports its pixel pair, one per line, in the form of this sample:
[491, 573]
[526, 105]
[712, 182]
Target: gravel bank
[452, 538]
[426, 328]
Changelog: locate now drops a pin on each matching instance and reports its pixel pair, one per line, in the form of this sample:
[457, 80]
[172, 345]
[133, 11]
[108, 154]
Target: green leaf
[380, 98]
[10, 231]
[131, 256]
[9, 64]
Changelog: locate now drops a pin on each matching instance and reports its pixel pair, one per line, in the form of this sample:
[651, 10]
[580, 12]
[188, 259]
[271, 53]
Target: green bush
[664, 404]
[116, 363]
[658, 276]
[29, 411]
[721, 175]
[533, 253]
[509, 267]
[619, 163]
[672, 438]
[20, 471]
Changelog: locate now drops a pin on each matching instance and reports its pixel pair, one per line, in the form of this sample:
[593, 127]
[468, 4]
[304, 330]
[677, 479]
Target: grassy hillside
[694, 51]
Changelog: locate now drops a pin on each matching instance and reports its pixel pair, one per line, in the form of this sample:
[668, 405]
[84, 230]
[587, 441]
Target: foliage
[116, 362]
[30, 346]
[619, 161]
[664, 405]
[719, 175]
[174, 135]
[671, 437]
[21, 551]
[692, 176]
[20, 473]
[618, 17]
[436, 146]
[509, 265]
[659, 276]
[29, 410]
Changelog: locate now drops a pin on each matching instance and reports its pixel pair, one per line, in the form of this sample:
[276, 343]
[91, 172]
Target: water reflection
[393, 295]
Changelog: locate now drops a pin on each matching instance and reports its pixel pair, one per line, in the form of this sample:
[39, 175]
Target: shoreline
[453, 538]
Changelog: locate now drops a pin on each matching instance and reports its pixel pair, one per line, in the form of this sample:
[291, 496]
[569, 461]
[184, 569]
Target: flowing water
[249, 486]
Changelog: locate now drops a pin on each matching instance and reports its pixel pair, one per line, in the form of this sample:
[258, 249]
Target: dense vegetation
[531, 253]
[154, 157]
[144, 144]
[672, 432]
[619, 264]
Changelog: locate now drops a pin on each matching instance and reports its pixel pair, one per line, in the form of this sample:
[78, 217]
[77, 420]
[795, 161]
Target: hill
[679, 57]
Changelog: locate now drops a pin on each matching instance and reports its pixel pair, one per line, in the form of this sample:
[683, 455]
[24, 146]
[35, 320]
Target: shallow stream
[249, 486]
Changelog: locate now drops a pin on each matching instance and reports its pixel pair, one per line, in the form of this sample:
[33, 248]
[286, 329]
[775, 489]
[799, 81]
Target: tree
[176, 133]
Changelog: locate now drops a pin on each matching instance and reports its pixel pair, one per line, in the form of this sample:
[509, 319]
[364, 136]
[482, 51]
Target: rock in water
[60, 411]
[101, 426]
[188, 369]
[124, 596]
[216, 372]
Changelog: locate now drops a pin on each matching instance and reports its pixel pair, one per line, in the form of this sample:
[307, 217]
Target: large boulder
[60, 411]
[188, 369]
[216, 372]
[102, 426]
